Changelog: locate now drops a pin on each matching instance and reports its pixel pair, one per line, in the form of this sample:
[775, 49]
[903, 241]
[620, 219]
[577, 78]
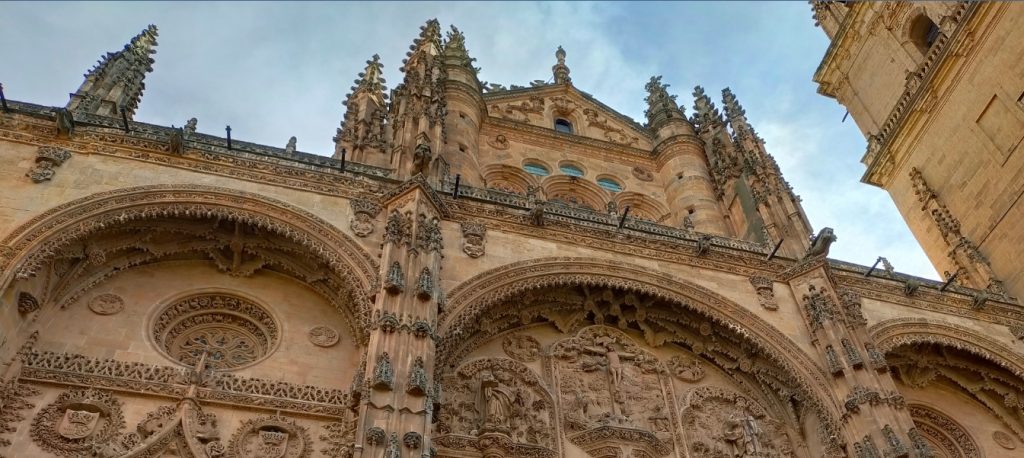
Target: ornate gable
[541, 106]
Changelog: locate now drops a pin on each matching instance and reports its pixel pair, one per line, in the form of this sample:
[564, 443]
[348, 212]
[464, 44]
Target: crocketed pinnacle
[455, 52]
[370, 81]
[560, 70]
[661, 107]
[705, 113]
[124, 70]
[426, 46]
[737, 115]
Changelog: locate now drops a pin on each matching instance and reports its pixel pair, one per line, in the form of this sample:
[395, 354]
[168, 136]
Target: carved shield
[77, 424]
[271, 444]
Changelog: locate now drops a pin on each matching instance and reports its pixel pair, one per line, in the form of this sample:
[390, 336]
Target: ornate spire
[736, 114]
[421, 95]
[661, 107]
[426, 46]
[117, 79]
[455, 52]
[561, 70]
[365, 114]
[705, 114]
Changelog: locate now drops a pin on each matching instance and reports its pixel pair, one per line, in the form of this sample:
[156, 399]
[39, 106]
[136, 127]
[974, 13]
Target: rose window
[230, 331]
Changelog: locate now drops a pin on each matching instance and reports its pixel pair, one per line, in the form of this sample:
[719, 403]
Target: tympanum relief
[497, 403]
[720, 423]
[612, 393]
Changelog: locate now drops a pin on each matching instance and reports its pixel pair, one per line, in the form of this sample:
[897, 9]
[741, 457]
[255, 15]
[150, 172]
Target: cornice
[843, 41]
[881, 157]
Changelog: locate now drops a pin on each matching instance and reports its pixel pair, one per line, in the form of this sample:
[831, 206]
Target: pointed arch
[468, 302]
[28, 247]
[898, 332]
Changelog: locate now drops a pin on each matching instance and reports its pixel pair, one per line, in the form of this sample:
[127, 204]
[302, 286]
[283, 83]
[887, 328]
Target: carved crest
[76, 420]
[271, 437]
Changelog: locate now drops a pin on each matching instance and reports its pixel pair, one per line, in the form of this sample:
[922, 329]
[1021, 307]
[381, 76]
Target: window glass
[536, 169]
[571, 170]
[609, 184]
[564, 126]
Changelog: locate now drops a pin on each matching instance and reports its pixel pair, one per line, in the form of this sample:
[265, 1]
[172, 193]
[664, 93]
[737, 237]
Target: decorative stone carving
[394, 283]
[421, 158]
[688, 223]
[428, 234]
[323, 336]
[723, 423]
[339, 438]
[852, 355]
[500, 399]
[412, 439]
[473, 239]
[686, 368]
[106, 304]
[821, 244]
[231, 331]
[375, 436]
[425, 285]
[1004, 440]
[190, 127]
[835, 367]
[13, 401]
[290, 147]
[642, 174]
[499, 143]
[27, 303]
[398, 230]
[78, 419]
[851, 308]
[910, 287]
[819, 307]
[704, 245]
[418, 384]
[65, 122]
[363, 214]
[176, 142]
[875, 357]
[271, 437]
[521, 347]
[47, 159]
[383, 373]
[765, 289]
[537, 212]
[393, 450]
[942, 433]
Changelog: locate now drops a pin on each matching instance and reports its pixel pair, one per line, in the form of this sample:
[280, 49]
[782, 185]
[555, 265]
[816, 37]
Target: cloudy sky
[273, 70]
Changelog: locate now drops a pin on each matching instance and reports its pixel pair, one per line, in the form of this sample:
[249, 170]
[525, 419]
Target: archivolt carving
[488, 291]
[896, 332]
[13, 401]
[29, 247]
[722, 423]
[943, 433]
[496, 398]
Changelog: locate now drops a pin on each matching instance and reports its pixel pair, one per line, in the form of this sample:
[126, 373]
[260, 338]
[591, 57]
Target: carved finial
[455, 51]
[427, 45]
[560, 70]
[736, 114]
[661, 107]
[705, 113]
[117, 79]
[365, 106]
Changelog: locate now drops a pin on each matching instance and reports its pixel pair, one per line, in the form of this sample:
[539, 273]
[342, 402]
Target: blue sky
[274, 70]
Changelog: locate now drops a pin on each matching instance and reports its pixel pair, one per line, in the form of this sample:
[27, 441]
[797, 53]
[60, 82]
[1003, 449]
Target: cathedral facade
[478, 271]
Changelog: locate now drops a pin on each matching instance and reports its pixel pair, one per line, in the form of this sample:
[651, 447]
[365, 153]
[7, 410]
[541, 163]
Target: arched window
[563, 126]
[923, 32]
[534, 168]
[571, 170]
[609, 184]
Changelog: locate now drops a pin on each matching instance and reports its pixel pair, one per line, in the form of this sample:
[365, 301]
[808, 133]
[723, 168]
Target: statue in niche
[499, 400]
[421, 158]
[722, 423]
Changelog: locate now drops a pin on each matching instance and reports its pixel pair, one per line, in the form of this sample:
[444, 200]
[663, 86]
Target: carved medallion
[232, 332]
[642, 174]
[78, 419]
[27, 303]
[521, 347]
[323, 336]
[106, 304]
[1004, 440]
[271, 437]
[499, 142]
[685, 368]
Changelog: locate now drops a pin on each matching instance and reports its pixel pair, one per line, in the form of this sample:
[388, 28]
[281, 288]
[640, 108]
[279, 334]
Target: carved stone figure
[393, 450]
[176, 142]
[428, 234]
[421, 158]
[719, 422]
[765, 288]
[521, 347]
[394, 282]
[819, 247]
[688, 223]
[537, 212]
[425, 285]
[290, 147]
[190, 127]
[499, 401]
[473, 239]
[383, 373]
[686, 369]
[499, 142]
[399, 228]
[65, 122]
[704, 244]
[417, 378]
